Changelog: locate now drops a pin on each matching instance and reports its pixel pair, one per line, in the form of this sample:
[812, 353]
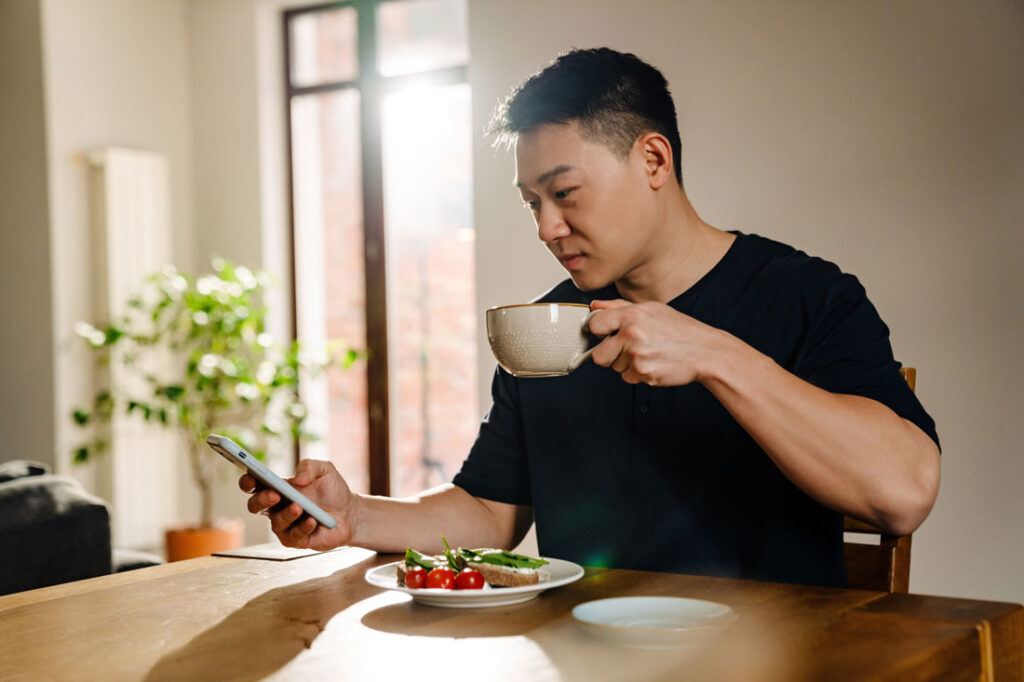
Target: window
[380, 134]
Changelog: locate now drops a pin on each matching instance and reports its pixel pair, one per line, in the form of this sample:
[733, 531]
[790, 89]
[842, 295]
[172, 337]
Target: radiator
[130, 201]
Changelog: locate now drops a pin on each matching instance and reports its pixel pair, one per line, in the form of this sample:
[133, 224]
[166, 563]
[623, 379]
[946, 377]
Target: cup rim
[534, 305]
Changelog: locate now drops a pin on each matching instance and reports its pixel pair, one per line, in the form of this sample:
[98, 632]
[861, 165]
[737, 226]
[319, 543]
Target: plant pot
[195, 541]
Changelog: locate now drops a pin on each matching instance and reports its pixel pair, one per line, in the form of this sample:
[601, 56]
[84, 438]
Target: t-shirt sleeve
[848, 351]
[496, 468]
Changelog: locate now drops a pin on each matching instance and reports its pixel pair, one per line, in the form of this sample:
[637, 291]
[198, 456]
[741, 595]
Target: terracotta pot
[196, 541]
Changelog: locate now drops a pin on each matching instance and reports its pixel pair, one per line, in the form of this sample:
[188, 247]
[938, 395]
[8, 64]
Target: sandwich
[499, 567]
[414, 559]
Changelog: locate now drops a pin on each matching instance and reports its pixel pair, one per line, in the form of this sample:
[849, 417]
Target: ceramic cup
[539, 339]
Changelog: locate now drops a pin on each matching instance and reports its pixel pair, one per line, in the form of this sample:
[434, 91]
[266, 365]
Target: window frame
[373, 88]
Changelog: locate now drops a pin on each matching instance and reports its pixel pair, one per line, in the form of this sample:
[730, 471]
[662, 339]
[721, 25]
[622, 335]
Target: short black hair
[615, 97]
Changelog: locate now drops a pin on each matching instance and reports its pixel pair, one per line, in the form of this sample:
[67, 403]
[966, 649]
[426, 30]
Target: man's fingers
[296, 533]
[609, 304]
[622, 363]
[605, 322]
[606, 352]
[300, 532]
[281, 521]
[263, 500]
[309, 470]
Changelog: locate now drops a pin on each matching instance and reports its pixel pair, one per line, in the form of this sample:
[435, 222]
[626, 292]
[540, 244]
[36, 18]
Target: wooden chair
[885, 566]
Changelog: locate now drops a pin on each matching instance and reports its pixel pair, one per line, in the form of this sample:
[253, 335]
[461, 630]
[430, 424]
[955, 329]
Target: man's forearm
[389, 524]
[850, 453]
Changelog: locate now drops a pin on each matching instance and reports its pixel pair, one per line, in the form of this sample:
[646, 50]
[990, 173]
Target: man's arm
[387, 524]
[850, 453]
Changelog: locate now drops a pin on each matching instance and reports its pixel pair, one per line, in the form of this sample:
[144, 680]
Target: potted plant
[193, 354]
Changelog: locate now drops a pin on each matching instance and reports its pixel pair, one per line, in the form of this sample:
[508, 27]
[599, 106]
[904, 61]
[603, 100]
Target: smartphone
[232, 452]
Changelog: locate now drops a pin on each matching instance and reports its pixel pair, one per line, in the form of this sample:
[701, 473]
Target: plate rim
[731, 616]
[478, 595]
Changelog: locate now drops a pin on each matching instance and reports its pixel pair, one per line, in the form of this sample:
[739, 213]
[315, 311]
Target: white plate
[555, 574]
[653, 622]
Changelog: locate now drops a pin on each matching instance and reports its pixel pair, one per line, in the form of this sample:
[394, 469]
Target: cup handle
[581, 358]
[585, 355]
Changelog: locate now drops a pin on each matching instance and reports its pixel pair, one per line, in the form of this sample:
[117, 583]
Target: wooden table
[315, 618]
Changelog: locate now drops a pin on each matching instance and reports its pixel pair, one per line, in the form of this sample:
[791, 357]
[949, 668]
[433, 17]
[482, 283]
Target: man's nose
[551, 224]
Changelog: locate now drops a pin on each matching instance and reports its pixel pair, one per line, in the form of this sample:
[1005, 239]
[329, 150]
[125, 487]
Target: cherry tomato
[415, 578]
[443, 578]
[469, 580]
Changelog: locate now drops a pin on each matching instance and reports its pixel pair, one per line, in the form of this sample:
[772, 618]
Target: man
[742, 399]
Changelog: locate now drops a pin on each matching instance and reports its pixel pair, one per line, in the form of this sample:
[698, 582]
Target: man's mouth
[571, 261]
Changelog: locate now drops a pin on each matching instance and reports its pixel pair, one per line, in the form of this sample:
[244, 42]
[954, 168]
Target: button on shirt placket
[641, 411]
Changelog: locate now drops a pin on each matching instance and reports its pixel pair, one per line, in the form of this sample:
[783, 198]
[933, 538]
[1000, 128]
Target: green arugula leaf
[501, 557]
[449, 556]
[417, 559]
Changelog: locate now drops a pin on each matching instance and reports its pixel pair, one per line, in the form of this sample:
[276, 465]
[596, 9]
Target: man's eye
[532, 205]
[563, 193]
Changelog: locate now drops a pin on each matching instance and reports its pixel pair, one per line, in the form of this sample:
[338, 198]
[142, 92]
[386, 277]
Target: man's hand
[385, 524]
[320, 482]
[651, 343]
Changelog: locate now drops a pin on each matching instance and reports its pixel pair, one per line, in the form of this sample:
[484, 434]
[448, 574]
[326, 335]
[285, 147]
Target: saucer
[653, 622]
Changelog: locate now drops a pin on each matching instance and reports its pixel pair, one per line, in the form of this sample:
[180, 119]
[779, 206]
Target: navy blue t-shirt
[663, 478]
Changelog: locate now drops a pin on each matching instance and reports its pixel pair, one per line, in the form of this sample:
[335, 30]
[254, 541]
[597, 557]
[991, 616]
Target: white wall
[26, 343]
[225, 145]
[77, 76]
[887, 137]
[115, 74]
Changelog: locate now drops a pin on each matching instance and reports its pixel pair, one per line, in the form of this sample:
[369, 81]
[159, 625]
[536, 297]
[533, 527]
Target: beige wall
[887, 137]
[26, 343]
[115, 74]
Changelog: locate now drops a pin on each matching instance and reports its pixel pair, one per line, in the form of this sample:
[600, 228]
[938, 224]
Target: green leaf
[103, 404]
[81, 455]
[173, 392]
[449, 556]
[113, 334]
[81, 417]
[501, 557]
[417, 559]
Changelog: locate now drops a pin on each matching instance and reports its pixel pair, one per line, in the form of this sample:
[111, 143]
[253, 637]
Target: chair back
[886, 566]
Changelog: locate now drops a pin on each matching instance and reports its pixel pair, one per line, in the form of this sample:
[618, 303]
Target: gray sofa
[52, 531]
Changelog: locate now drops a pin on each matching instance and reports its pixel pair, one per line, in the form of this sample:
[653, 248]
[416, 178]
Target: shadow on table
[275, 627]
[411, 618]
[545, 625]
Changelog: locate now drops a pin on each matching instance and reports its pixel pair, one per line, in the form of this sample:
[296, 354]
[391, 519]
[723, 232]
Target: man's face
[590, 204]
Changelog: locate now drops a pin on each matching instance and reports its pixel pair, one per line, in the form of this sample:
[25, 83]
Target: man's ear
[657, 158]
